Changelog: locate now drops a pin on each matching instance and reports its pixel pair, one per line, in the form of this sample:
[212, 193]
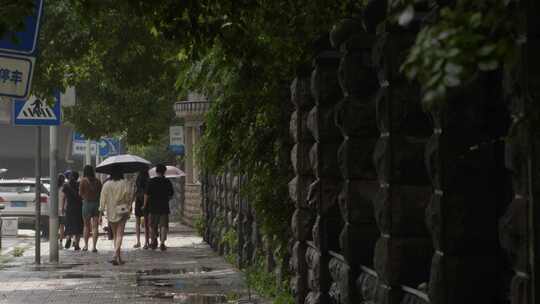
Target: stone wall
[393, 204]
[192, 207]
[176, 204]
[231, 227]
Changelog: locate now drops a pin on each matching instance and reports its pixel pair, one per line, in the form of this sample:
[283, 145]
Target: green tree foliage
[246, 72]
[12, 13]
[467, 38]
[157, 152]
[124, 73]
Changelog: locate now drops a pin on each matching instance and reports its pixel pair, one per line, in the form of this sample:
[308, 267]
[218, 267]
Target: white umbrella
[126, 163]
[171, 172]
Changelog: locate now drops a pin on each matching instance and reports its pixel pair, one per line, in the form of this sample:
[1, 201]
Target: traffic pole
[38, 196]
[88, 156]
[97, 153]
[53, 198]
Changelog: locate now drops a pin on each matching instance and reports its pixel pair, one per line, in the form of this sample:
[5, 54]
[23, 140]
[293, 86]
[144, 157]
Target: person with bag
[116, 198]
[156, 200]
[61, 180]
[73, 208]
[89, 190]
[141, 215]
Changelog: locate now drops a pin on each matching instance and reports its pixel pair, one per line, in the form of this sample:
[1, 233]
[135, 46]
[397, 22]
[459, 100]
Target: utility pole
[97, 153]
[38, 197]
[88, 157]
[53, 198]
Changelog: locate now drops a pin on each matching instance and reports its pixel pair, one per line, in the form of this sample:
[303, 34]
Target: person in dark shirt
[159, 191]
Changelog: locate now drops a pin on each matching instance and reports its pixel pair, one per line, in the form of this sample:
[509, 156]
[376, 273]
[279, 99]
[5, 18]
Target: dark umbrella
[126, 163]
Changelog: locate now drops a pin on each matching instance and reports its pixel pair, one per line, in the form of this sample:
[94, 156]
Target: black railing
[191, 106]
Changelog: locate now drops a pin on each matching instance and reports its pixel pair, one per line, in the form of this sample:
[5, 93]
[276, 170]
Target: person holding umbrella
[118, 194]
[156, 200]
[115, 202]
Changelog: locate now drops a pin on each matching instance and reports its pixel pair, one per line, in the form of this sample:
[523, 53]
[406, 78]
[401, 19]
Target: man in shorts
[156, 200]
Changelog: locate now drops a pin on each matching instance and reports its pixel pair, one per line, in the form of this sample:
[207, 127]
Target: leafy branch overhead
[470, 37]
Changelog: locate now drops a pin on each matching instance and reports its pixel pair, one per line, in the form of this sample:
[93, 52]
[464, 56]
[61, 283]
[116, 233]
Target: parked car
[17, 199]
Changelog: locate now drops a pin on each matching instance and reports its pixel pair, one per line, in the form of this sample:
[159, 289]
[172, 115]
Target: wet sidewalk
[187, 272]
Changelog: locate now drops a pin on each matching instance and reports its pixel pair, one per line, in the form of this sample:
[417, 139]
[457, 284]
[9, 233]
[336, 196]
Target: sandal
[114, 261]
[145, 246]
[138, 245]
[85, 249]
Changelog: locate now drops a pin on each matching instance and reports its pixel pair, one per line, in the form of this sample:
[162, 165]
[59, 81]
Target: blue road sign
[26, 40]
[109, 147]
[36, 112]
[177, 149]
[78, 136]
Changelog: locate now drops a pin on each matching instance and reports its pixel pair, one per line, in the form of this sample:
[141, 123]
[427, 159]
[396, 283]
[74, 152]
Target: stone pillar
[404, 248]
[302, 220]
[324, 191]
[355, 117]
[465, 161]
[189, 154]
[522, 83]
[194, 141]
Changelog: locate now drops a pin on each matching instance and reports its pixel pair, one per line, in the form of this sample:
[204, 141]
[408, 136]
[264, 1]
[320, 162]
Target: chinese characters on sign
[17, 58]
[15, 75]
[12, 76]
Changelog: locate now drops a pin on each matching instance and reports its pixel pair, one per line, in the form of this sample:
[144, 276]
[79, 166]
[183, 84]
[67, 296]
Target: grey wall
[18, 149]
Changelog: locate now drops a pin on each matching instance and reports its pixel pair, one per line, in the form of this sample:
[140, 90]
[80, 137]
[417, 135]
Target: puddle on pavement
[176, 284]
[156, 271]
[5, 267]
[188, 298]
[55, 267]
[78, 276]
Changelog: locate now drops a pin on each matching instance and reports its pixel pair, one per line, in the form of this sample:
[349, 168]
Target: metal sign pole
[97, 153]
[53, 197]
[38, 196]
[88, 153]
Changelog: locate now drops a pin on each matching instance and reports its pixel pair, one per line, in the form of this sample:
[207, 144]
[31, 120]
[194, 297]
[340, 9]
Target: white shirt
[115, 193]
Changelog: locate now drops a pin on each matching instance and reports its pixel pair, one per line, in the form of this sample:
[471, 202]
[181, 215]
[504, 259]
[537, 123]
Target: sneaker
[162, 247]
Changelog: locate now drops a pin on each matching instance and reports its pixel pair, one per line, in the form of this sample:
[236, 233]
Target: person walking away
[140, 212]
[156, 200]
[116, 198]
[89, 190]
[61, 180]
[73, 210]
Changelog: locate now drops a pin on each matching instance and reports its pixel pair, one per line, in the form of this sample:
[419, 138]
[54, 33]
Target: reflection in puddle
[78, 276]
[156, 271]
[55, 267]
[188, 298]
[161, 283]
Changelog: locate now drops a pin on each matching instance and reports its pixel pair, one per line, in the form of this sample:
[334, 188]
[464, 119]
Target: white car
[17, 199]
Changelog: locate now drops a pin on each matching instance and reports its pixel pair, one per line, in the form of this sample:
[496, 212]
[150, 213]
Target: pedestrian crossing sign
[37, 112]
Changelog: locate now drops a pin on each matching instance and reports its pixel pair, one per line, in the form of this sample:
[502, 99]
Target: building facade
[192, 111]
